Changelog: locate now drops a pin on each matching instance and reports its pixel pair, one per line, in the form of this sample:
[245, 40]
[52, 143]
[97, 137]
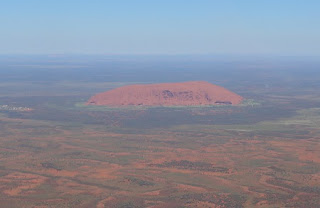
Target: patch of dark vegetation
[128, 205]
[167, 142]
[3, 171]
[199, 166]
[276, 169]
[49, 165]
[309, 168]
[126, 202]
[61, 108]
[304, 200]
[294, 186]
[227, 115]
[273, 198]
[221, 200]
[139, 181]
[76, 154]
[30, 147]
[223, 103]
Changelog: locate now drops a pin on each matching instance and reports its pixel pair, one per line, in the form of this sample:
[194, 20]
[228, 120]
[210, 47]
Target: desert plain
[56, 151]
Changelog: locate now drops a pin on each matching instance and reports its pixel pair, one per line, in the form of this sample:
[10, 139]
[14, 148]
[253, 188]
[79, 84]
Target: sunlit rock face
[167, 94]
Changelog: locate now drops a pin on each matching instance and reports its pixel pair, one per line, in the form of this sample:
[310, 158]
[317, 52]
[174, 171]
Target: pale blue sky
[273, 27]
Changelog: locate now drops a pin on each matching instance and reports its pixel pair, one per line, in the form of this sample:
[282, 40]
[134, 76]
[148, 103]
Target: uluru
[190, 93]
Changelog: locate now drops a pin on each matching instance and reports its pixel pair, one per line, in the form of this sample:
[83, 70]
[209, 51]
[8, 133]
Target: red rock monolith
[167, 94]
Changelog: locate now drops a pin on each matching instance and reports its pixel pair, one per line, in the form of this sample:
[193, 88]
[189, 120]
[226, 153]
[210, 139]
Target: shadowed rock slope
[167, 94]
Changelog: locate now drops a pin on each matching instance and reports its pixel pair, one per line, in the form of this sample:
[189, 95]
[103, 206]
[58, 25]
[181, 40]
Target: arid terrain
[56, 151]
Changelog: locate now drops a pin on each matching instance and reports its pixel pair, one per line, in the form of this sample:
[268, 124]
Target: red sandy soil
[167, 94]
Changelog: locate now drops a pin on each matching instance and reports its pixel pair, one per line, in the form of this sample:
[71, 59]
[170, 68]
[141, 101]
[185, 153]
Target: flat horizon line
[155, 54]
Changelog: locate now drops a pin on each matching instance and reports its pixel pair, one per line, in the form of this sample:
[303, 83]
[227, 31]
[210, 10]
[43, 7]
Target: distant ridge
[167, 94]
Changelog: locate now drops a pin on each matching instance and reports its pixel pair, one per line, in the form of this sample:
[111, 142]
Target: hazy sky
[276, 27]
